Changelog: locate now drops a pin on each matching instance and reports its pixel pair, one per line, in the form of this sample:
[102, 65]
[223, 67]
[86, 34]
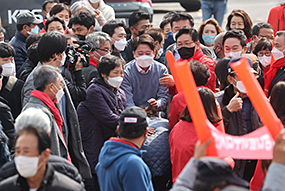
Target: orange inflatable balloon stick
[171, 63]
[257, 97]
[195, 106]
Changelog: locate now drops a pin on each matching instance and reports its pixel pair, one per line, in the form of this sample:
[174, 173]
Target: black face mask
[81, 37]
[186, 53]
[140, 32]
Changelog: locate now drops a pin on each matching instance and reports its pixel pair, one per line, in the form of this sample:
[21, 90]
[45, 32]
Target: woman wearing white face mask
[99, 113]
[263, 51]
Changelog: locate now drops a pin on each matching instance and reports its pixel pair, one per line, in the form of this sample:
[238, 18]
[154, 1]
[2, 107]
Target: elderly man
[51, 52]
[49, 86]
[102, 45]
[31, 159]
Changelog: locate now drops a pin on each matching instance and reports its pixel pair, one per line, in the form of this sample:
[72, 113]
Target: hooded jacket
[121, 167]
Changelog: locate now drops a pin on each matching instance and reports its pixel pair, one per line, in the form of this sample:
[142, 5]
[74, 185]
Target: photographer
[51, 51]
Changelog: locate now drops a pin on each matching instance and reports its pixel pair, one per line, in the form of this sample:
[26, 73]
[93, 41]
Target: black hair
[143, 39]
[201, 185]
[51, 43]
[46, 2]
[32, 53]
[54, 19]
[32, 39]
[58, 8]
[108, 63]
[200, 72]
[191, 31]
[221, 71]
[256, 28]
[277, 100]
[83, 18]
[20, 26]
[169, 15]
[210, 107]
[6, 50]
[43, 138]
[234, 33]
[263, 44]
[137, 16]
[164, 22]
[110, 26]
[1, 69]
[156, 33]
[182, 16]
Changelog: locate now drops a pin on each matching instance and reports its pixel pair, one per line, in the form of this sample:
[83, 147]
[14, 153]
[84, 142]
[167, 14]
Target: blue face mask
[169, 40]
[209, 39]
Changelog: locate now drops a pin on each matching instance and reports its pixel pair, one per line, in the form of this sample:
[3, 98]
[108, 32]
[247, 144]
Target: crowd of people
[84, 108]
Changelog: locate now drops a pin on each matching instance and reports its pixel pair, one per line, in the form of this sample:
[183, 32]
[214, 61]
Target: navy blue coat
[98, 117]
[19, 44]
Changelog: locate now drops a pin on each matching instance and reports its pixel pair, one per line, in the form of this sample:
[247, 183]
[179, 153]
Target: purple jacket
[98, 117]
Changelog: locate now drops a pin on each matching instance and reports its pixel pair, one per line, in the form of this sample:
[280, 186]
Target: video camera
[73, 53]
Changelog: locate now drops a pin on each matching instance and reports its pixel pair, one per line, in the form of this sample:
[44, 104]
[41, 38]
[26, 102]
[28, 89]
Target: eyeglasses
[105, 50]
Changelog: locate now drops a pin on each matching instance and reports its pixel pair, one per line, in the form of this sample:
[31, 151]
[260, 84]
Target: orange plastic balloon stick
[195, 105]
[257, 97]
[171, 63]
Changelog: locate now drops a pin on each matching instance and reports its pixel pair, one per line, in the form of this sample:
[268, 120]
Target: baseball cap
[27, 17]
[231, 71]
[211, 169]
[132, 122]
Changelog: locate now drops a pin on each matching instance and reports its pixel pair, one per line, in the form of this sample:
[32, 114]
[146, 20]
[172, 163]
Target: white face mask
[120, 44]
[115, 81]
[62, 61]
[277, 54]
[94, 1]
[33, 30]
[66, 23]
[7, 69]
[174, 34]
[59, 94]
[233, 54]
[48, 16]
[27, 166]
[240, 86]
[144, 61]
[265, 60]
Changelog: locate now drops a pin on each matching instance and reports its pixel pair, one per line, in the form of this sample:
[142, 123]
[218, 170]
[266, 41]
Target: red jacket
[178, 105]
[182, 141]
[201, 57]
[276, 18]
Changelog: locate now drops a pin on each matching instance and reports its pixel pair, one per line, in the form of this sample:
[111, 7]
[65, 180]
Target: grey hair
[81, 5]
[98, 38]
[45, 75]
[33, 116]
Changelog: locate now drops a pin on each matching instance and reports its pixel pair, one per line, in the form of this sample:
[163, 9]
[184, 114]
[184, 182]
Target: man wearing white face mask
[276, 71]
[141, 81]
[234, 42]
[26, 25]
[51, 52]
[239, 115]
[117, 31]
[32, 150]
[12, 86]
